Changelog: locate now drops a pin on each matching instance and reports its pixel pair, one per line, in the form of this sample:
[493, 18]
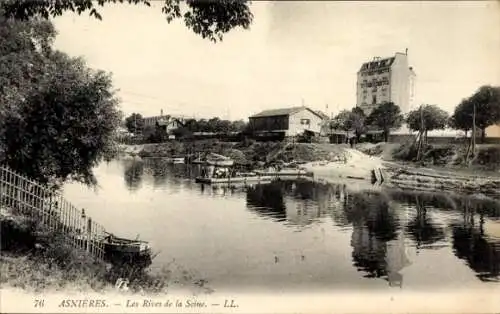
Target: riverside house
[286, 122]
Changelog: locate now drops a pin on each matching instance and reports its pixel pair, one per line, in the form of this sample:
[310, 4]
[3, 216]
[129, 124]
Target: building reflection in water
[379, 248]
[387, 228]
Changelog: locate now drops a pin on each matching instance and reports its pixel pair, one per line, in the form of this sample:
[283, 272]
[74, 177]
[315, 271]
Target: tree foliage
[209, 18]
[434, 118]
[358, 121]
[215, 125]
[134, 123]
[486, 100]
[350, 120]
[342, 121]
[57, 117]
[386, 116]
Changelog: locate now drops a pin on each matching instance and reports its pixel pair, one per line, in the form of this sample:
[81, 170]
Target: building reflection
[379, 249]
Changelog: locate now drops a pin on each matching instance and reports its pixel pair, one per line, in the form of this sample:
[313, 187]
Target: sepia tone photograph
[233, 156]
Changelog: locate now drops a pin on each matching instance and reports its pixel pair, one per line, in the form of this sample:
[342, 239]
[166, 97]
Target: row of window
[384, 81]
[369, 73]
[383, 94]
[384, 89]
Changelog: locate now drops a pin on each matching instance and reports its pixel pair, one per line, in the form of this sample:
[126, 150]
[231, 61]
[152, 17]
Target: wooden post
[89, 233]
[421, 133]
[474, 131]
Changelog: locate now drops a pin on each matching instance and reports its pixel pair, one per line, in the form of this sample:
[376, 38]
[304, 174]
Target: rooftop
[377, 64]
[279, 112]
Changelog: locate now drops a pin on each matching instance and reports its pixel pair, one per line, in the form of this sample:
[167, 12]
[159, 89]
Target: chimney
[161, 112]
[406, 51]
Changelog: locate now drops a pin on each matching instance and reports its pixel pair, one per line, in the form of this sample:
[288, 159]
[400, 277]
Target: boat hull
[261, 177]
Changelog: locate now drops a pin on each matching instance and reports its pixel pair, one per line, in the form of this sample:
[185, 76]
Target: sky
[295, 53]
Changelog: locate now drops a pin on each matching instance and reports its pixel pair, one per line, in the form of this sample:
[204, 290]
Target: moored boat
[118, 249]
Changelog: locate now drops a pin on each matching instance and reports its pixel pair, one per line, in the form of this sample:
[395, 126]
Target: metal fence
[49, 208]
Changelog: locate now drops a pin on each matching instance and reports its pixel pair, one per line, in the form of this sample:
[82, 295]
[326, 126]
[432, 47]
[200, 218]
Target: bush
[488, 156]
[439, 155]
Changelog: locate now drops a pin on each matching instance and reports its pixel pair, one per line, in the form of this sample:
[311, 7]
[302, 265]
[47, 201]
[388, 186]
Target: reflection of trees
[421, 228]
[267, 200]
[309, 200]
[471, 244]
[373, 226]
[134, 171]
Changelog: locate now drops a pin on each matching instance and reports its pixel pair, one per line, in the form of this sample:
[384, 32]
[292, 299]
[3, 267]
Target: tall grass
[37, 259]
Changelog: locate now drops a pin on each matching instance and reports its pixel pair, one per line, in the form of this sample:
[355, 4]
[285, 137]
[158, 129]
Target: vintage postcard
[232, 156]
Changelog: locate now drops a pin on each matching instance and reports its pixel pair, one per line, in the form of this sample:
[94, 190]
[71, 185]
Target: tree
[486, 101]
[358, 121]
[427, 118]
[342, 121]
[238, 126]
[58, 117]
[209, 18]
[386, 116]
[460, 119]
[134, 123]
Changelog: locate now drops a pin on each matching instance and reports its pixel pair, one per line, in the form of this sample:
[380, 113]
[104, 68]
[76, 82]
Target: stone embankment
[357, 165]
[431, 180]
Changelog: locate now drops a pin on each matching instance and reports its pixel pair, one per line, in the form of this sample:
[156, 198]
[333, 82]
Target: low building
[286, 122]
[170, 124]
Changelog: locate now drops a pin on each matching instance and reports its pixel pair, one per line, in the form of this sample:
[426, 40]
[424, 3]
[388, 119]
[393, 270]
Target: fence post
[89, 233]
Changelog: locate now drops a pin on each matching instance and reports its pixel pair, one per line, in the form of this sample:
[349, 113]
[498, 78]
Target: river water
[297, 235]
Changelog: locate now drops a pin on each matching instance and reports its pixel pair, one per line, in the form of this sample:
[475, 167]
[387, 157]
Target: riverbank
[245, 152]
[341, 162]
[34, 259]
[445, 157]
[442, 168]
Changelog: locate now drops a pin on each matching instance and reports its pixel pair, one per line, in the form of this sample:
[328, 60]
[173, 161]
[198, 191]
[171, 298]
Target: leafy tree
[461, 119]
[386, 116]
[486, 101]
[427, 118]
[209, 18]
[358, 121]
[57, 117]
[134, 123]
[238, 126]
[342, 121]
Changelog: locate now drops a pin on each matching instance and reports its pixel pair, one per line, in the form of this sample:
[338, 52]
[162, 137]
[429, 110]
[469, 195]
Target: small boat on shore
[126, 250]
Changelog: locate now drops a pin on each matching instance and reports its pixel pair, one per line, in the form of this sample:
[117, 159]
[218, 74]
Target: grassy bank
[442, 167]
[247, 152]
[440, 157]
[36, 259]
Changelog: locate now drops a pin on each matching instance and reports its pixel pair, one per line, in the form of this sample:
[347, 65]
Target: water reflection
[267, 200]
[133, 173]
[422, 228]
[384, 228]
[470, 243]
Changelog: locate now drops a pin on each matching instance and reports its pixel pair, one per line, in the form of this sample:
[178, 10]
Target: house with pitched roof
[286, 122]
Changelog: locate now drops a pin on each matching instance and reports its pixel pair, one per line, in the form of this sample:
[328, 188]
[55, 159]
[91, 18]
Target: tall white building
[386, 80]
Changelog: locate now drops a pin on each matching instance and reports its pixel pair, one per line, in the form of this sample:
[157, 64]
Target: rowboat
[121, 249]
